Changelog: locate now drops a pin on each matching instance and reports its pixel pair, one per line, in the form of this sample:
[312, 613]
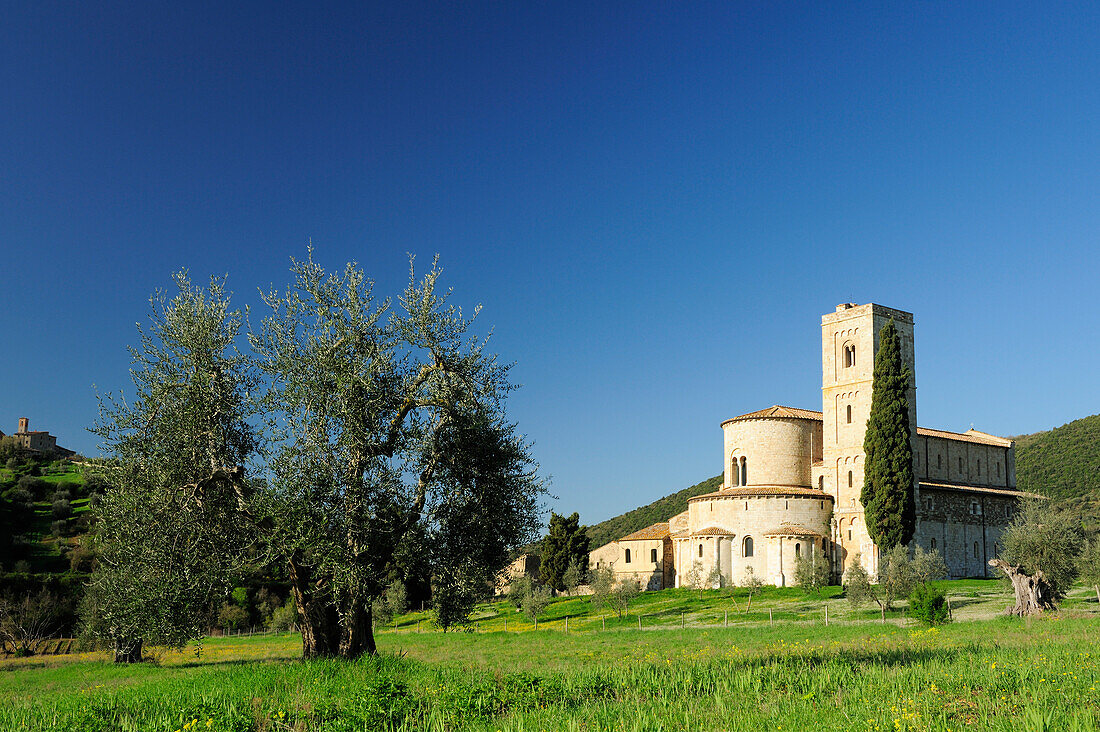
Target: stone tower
[24, 425]
[849, 342]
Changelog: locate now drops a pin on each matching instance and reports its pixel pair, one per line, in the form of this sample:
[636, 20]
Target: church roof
[656, 531]
[792, 530]
[713, 531]
[978, 489]
[971, 435]
[778, 412]
[765, 490]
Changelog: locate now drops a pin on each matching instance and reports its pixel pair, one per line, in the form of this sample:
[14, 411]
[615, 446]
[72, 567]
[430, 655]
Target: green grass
[1001, 674]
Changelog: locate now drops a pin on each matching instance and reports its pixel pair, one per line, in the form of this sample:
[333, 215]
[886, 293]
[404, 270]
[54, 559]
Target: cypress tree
[565, 544]
[887, 495]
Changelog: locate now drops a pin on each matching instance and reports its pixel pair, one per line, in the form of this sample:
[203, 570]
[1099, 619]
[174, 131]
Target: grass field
[790, 674]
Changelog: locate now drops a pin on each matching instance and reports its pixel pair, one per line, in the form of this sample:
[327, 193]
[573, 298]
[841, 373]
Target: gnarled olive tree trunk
[1033, 593]
[330, 629]
[128, 651]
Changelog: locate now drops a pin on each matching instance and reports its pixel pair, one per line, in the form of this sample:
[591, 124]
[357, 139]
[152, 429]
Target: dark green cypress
[887, 495]
[566, 542]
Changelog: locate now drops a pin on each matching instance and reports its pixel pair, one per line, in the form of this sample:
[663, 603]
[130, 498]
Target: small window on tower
[798, 550]
[653, 555]
[975, 550]
[735, 472]
[932, 544]
[849, 355]
[821, 482]
[746, 549]
[700, 550]
[849, 478]
[849, 414]
[628, 556]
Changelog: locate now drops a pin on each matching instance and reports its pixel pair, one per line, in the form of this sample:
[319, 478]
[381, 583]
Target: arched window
[849, 414]
[628, 556]
[849, 355]
[746, 547]
[653, 555]
[735, 472]
[797, 550]
[744, 471]
[849, 477]
[821, 482]
[932, 544]
[700, 550]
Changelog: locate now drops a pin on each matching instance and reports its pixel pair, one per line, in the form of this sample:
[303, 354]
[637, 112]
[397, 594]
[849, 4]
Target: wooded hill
[660, 510]
[1063, 463]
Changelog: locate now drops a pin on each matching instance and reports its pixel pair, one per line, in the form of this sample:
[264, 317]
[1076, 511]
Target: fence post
[603, 621]
[536, 623]
[566, 623]
[682, 619]
[826, 615]
[639, 621]
[726, 619]
[506, 625]
[771, 620]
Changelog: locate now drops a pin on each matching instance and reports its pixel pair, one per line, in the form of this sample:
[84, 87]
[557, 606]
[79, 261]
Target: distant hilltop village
[793, 479]
[36, 441]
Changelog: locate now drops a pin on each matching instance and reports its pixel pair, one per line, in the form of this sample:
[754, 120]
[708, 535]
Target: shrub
[232, 617]
[62, 509]
[928, 604]
[285, 618]
[35, 486]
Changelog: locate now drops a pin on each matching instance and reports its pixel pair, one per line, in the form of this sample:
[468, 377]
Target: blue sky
[654, 203]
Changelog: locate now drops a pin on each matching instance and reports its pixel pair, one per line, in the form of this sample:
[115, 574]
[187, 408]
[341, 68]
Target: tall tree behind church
[566, 543]
[887, 495]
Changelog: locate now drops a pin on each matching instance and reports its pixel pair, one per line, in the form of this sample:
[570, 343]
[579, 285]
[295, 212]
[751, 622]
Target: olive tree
[174, 523]
[1040, 556]
[386, 421]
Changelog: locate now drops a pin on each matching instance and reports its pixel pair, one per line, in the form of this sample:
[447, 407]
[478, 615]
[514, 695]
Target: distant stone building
[793, 478]
[525, 565]
[37, 441]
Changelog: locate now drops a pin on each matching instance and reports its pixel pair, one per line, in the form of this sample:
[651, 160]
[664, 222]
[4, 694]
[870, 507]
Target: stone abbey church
[793, 478]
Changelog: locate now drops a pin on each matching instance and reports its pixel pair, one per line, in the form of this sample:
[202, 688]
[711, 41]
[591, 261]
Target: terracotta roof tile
[656, 531]
[713, 531]
[778, 412]
[971, 435]
[791, 530]
[979, 489]
[765, 490]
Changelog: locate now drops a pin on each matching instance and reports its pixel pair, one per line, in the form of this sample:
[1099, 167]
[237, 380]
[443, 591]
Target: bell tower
[849, 342]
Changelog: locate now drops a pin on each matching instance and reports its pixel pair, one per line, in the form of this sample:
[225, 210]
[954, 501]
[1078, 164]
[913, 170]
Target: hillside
[1062, 463]
[660, 510]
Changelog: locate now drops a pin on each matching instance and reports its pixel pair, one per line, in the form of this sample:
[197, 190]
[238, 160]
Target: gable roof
[656, 531]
